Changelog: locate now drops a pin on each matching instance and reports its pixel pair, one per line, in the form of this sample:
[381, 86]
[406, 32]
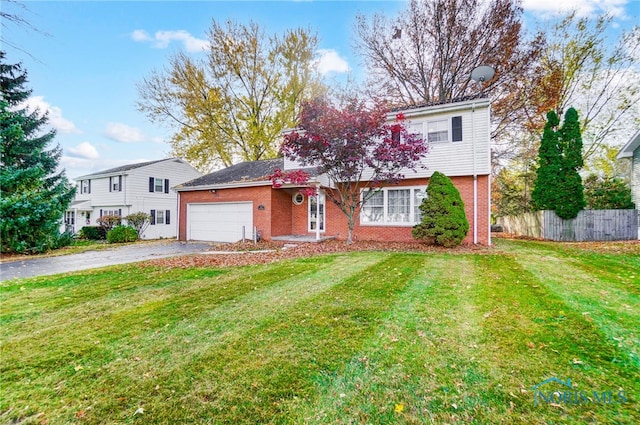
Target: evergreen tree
[558, 183]
[571, 201]
[444, 221]
[34, 194]
[546, 189]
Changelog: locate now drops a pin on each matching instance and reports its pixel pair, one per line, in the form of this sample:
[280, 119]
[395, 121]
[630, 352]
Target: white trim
[385, 207]
[321, 199]
[223, 186]
[629, 147]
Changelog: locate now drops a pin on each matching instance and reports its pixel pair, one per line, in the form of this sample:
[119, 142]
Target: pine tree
[444, 221]
[34, 194]
[547, 185]
[572, 201]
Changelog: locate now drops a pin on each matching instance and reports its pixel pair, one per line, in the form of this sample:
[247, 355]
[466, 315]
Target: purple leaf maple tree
[355, 146]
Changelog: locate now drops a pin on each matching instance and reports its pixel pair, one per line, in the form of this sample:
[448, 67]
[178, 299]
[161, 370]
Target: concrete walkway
[93, 259]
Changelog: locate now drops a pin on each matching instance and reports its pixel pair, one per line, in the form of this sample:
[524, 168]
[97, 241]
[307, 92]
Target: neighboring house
[143, 187]
[218, 206]
[631, 150]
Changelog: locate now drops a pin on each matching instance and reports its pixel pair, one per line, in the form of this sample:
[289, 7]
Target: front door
[317, 212]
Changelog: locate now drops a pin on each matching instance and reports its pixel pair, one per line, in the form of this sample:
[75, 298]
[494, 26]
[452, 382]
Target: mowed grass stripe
[531, 334]
[418, 361]
[75, 334]
[599, 293]
[165, 343]
[264, 376]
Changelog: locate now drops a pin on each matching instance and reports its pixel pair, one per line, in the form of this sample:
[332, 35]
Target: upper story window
[158, 185]
[444, 130]
[438, 131]
[115, 184]
[85, 186]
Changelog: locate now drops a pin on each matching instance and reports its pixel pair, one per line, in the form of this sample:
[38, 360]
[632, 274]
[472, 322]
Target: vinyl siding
[451, 158]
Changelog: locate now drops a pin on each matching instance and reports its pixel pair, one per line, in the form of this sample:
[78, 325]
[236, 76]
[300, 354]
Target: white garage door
[220, 222]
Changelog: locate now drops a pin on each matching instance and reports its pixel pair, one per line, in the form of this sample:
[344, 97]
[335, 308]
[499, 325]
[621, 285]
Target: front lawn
[357, 337]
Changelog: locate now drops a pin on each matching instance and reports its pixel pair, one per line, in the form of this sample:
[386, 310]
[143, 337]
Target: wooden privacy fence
[589, 225]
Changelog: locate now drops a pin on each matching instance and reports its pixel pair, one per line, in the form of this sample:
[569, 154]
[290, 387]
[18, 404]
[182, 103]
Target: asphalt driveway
[92, 259]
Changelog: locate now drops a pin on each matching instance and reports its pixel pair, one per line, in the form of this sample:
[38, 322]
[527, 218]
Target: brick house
[222, 205]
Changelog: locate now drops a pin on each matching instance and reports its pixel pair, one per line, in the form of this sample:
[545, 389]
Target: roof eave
[628, 149]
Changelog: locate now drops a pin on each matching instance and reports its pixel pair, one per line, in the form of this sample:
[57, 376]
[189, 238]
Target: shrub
[139, 221]
[93, 233]
[121, 233]
[443, 219]
[607, 193]
[109, 221]
[65, 239]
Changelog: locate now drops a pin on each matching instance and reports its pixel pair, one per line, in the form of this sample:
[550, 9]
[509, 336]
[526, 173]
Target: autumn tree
[355, 147]
[427, 53]
[580, 69]
[234, 104]
[35, 193]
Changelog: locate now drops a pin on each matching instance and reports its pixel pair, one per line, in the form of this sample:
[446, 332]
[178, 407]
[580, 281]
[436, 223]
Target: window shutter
[456, 129]
[166, 217]
[166, 185]
[153, 217]
[120, 212]
[100, 212]
[110, 183]
[119, 183]
[151, 184]
[89, 185]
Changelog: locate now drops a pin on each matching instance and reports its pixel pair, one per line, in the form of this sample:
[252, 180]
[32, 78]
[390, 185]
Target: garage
[219, 222]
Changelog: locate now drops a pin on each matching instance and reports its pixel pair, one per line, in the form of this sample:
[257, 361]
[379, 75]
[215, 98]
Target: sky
[84, 59]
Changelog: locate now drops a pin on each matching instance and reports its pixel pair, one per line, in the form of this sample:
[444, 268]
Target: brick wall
[281, 216]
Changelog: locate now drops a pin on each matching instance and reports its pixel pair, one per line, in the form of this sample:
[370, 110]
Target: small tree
[354, 147]
[138, 221]
[444, 221]
[108, 222]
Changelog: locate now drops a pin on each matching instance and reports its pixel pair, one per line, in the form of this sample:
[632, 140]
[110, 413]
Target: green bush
[121, 233]
[443, 219]
[93, 233]
[65, 239]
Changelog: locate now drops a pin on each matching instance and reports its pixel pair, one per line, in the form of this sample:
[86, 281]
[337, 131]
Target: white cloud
[162, 39]
[56, 120]
[84, 150]
[329, 60]
[582, 7]
[126, 134]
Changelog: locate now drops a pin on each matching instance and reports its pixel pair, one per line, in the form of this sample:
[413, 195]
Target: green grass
[361, 337]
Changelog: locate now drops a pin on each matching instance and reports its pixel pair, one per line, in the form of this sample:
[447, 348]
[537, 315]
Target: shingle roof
[436, 103]
[248, 171]
[123, 168]
[242, 172]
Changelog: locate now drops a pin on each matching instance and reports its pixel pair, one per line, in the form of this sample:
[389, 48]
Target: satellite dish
[482, 73]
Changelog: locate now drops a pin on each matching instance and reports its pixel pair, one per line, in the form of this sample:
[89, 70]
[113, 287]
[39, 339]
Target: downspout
[318, 212]
[178, 217]
[475, 175]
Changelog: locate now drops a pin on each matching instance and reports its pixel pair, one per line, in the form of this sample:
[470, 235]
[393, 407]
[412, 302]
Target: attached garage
[219, 222]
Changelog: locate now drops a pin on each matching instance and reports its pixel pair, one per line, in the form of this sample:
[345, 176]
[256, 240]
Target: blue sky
[87, 57]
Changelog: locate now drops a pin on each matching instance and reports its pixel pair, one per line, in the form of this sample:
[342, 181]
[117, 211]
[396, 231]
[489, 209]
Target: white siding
[135, 195]
[635, 178]
[464, 158]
